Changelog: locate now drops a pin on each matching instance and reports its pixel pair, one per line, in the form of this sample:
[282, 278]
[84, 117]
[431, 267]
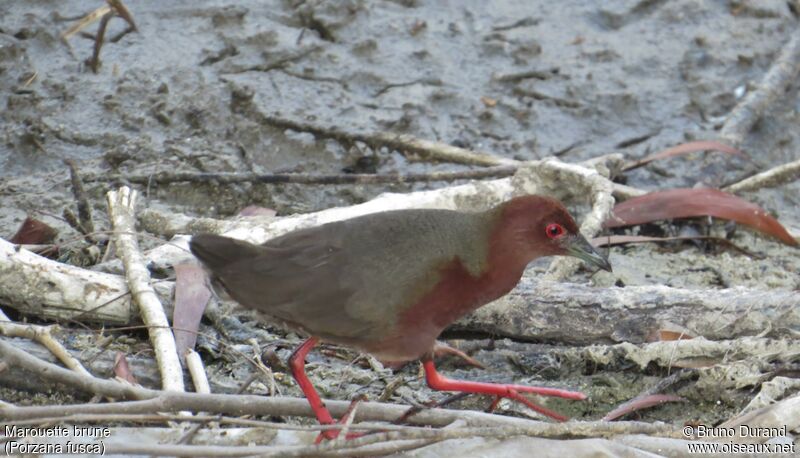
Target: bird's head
[540, 226]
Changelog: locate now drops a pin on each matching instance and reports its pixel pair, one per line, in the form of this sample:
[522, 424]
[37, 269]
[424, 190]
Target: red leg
[438, 382]
[297, 363]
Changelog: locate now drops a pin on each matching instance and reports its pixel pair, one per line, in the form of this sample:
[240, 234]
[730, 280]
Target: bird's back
[348, 281]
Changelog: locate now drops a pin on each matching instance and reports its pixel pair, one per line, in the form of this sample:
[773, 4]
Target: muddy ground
[200, 85]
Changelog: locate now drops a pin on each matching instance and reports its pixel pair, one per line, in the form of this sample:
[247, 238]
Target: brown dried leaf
[34, 232]
[640, 403]
[684, 148]
[122, 370]
[689, 203]
[668, 332]
[191, 297]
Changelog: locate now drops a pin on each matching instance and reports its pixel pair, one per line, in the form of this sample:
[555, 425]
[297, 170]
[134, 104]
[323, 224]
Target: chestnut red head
[541, 226]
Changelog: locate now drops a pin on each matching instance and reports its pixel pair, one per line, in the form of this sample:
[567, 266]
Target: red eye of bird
[554, 230]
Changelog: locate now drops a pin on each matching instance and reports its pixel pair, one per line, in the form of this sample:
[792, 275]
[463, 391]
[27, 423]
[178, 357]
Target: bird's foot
[509, 391]
[347, 418]
[297, 365]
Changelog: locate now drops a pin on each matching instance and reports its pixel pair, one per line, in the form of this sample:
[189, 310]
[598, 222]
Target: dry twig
[303, 178]
[121, 207]
[782, 73]
[775, 176]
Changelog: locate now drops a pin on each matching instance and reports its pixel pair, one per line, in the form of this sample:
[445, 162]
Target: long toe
[545, 391]
[514, 395]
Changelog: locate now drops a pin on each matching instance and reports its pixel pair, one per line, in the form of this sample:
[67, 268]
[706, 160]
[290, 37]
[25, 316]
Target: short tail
[217, 252]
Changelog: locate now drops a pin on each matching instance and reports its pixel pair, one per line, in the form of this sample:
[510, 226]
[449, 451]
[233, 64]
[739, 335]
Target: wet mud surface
[203, 87]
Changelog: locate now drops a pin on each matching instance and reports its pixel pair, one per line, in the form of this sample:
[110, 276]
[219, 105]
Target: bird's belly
[403, 345]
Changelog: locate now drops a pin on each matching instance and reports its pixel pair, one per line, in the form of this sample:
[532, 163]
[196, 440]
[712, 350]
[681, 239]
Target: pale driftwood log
[51, 290]
[577, 314]
[121, 210]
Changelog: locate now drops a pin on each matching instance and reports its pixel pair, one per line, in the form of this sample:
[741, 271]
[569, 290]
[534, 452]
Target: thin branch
[121, 207]
[302, 178]
[782, 73]
[390, 442]
[198, 372]
[85, 223]
[429, 150]
[43, 335]
[775, 176]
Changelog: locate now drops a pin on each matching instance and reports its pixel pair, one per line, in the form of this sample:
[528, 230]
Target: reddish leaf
[668, 332]
[34, 232]
[688, 203]
[121, 368]
[684, 148]
[191, 297]
[640, 403]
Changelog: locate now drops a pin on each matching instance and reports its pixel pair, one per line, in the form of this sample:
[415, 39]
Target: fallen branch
[381, 443]
[583, 315]
[121, 207]
[44, 336]
[302, 178]
[775, 176]
[52, 290]
[429, 150]
[99, 361]
[782, 73]
[535, 309]
[84, 223]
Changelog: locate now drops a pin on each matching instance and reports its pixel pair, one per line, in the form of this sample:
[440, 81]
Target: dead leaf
[122, 370]
[668, 332]
[689, 203]
[684, 148]
[34, 232]
[640, 403]
[191, 297]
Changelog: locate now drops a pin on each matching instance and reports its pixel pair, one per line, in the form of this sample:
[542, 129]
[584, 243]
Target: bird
[388, 283]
